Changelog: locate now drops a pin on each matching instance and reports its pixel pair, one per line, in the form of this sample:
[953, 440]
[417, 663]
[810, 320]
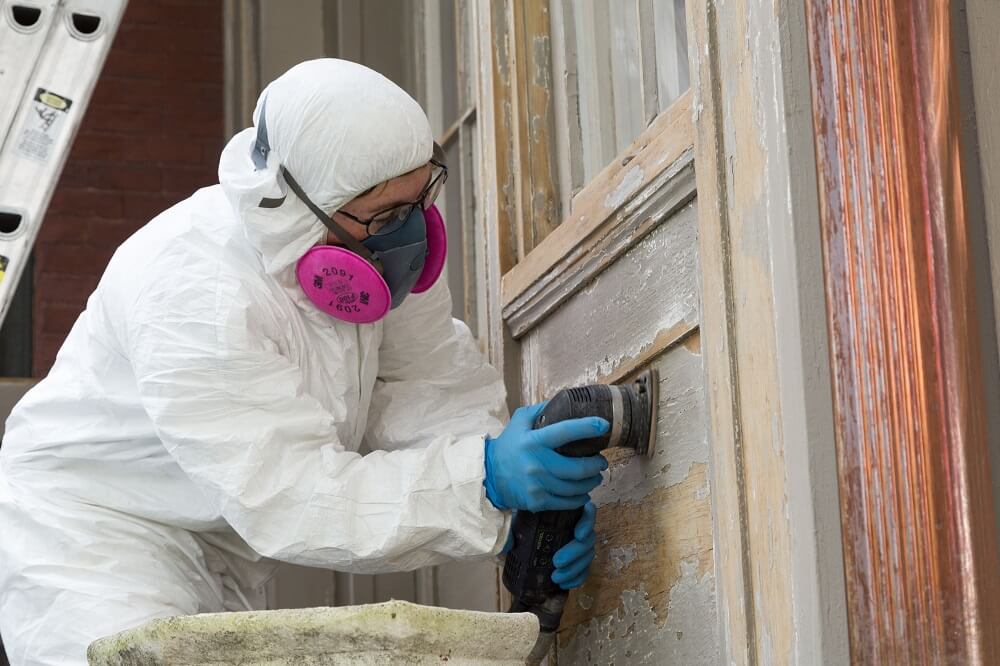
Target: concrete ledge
[395, 632]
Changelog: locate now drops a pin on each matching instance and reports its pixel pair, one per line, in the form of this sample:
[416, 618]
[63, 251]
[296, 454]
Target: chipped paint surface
[650, 597]
[630, 634]
[651, 289]
[629, 184]
[621, 557]
[680, 438]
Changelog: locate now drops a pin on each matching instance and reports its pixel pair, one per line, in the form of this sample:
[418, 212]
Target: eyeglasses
[391, 219]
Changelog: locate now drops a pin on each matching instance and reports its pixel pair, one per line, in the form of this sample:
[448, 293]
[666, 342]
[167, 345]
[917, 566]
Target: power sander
[527, 572]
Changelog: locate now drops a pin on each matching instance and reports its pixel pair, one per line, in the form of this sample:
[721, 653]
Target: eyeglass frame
[434, 185]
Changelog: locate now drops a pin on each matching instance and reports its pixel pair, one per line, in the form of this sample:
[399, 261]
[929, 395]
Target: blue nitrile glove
[524, 472]
[572, 561]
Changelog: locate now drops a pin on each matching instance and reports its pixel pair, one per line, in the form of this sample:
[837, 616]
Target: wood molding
[920, 545]
[660, 345]
[499, 157]
[730, 511]
[779, 572]
[650, 206]
[658, 148]
[531, 69]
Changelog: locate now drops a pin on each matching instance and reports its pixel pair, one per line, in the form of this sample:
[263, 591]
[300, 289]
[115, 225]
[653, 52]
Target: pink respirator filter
[347, 287]
[343, 285]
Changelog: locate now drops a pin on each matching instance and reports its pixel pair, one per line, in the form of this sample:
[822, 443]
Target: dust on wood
[654, 536]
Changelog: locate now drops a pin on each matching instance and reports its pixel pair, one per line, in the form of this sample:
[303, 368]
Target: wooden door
[595, 249]
[633, 224]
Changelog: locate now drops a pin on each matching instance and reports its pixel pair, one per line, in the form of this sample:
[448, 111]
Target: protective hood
[339, 128]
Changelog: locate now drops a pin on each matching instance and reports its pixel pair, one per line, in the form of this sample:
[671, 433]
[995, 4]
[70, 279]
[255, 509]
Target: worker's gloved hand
[572, 561]
[523, 471]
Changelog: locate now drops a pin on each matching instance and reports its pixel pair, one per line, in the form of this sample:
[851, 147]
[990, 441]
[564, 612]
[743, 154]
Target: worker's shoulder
[198, 232]
[195, 245]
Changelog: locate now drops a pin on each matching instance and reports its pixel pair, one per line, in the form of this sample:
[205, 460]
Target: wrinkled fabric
[203, 419]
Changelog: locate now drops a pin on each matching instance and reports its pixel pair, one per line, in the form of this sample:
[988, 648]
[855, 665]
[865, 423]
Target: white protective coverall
[203, 418]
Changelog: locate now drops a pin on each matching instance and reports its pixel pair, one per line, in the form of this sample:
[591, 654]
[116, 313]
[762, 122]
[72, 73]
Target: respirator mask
[361, 281]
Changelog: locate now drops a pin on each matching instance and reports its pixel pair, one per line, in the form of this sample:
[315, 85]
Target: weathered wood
[650, 596]
[649, 86]
[734, 578]
[596, 110]
[920, 544]
[626, 74]
[538, 200]
[671, 50]
[471, 239]
[566, 103]
[467, 53]
[656, 150]
[650, 292]
[780, 580]
[661, 198]
[499, 151]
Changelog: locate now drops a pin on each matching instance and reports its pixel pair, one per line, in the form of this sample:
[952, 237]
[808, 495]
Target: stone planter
[395, 632]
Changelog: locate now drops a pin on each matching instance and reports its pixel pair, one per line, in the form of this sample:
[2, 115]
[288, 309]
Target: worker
[203, 419]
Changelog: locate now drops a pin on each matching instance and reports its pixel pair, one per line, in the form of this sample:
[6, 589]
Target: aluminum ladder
[51, 54]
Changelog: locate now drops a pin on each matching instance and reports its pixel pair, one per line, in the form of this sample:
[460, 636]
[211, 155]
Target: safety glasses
[391, 219]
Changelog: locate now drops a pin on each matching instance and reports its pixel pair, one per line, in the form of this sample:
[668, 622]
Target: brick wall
[151, 136]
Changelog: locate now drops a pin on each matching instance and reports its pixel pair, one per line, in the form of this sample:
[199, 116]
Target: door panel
[649, 295]
[651, 592]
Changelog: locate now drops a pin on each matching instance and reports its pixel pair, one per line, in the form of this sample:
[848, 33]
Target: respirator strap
[347, 239]
[261, 149]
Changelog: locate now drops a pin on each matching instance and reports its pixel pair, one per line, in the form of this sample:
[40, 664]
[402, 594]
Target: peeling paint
[631, 181]
[632, 634]
[651, 289]
[621, 557]
[679, 445]
[669, 527]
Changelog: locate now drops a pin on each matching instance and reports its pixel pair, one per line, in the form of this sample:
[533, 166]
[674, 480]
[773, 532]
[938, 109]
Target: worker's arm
[235, 414]
[433, 382]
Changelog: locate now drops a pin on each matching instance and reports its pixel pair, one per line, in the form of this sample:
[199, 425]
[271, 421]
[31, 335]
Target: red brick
[183, 97]
[143, 66]
[72, 259]
[111, 91]
[86, 202]
[211, 152]
[144, 38]
[66, 288]
[111, 233]
[174, 13]
[145, 207]
[58, 318]
[75, 175]
[46, 346]
[202, 123]
[93, 146]
[167, 149]
[184, 181]
[90, 145]
[193, 67]
[124, 119]
[126, 178]
[120, 177]
[63, 228]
